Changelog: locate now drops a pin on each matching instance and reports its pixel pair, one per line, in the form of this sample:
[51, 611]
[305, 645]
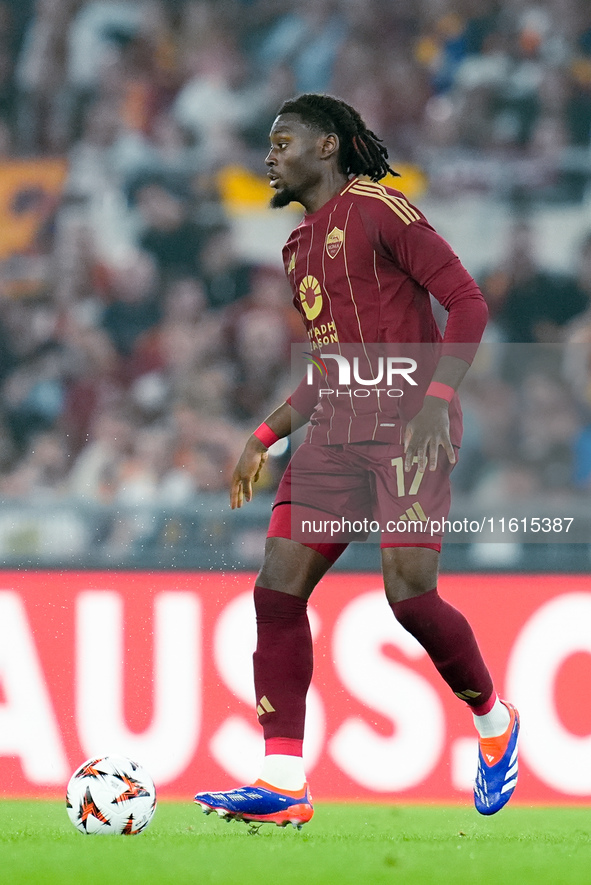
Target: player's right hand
[247, 471]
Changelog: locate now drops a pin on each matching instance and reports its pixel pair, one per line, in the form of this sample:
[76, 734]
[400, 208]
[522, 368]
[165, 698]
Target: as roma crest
[334, 241]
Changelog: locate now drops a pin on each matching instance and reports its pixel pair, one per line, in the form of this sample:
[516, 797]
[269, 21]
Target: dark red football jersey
[361, 269]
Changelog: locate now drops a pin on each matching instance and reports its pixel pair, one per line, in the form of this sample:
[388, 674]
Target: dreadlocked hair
[361, 152]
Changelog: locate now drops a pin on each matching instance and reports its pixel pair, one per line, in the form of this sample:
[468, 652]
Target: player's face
[294, 161]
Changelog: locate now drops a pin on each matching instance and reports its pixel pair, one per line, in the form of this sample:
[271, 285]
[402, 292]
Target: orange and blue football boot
[497, 767]
[260, 804]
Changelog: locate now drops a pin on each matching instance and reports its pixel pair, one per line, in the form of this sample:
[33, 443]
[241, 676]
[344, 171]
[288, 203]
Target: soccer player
[361, 264]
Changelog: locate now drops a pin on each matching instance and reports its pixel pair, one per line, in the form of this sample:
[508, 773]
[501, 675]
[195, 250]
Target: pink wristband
[443, 391]
[266, 435]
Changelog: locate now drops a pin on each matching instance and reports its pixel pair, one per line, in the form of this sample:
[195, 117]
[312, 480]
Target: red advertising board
[158, 666]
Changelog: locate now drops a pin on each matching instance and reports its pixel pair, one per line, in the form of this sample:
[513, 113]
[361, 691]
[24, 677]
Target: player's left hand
[428, 430]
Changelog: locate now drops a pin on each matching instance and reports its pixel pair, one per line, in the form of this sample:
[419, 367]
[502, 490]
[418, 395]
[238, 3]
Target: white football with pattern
[111, 795]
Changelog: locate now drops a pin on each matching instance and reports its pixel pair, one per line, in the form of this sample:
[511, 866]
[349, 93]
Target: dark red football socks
[447, 637]
[282, 668]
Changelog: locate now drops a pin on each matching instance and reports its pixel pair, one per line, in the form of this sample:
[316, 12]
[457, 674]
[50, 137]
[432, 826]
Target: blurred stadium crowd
[139, 344]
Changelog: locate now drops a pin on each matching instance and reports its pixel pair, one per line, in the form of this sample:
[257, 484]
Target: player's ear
[329, 146]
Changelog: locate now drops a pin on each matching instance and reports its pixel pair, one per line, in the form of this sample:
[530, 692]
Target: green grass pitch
[343, 844]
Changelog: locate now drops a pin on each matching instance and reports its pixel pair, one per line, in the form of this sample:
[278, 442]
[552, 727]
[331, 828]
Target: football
[111, 795]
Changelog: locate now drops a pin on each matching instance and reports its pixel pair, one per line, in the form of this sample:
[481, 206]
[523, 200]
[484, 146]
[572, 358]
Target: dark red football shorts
[343, 493]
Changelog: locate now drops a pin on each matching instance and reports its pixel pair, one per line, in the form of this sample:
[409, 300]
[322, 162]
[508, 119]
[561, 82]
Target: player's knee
[400, 590]
[409, 572]
[291, 568]
[276, 575]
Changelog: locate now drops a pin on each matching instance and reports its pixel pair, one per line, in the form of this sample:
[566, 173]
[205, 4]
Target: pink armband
[443, 391]
[266, 435]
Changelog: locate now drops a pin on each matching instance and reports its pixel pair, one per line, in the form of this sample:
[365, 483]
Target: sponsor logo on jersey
[311, 297]
[334, 241]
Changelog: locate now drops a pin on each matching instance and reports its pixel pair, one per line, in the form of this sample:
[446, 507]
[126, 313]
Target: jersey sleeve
[405, 237]
[431, 261]
[304, 398]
